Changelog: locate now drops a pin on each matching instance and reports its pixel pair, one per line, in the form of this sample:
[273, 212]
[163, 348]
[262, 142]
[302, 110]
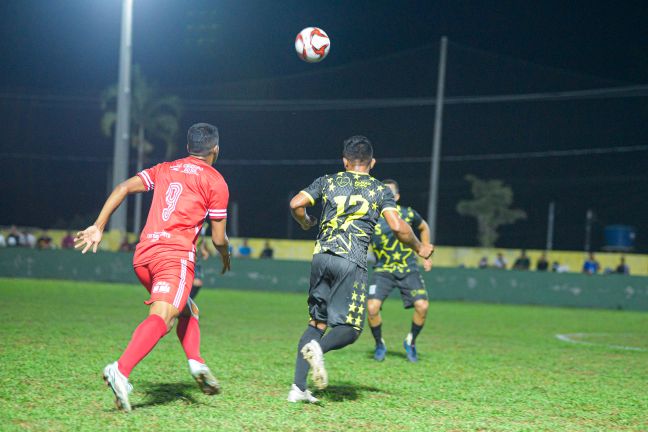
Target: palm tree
[152, 115]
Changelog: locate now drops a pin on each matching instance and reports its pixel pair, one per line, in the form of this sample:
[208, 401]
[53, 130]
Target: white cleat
[313, 354]
[295, 395]
[119, 385]
[205, 379]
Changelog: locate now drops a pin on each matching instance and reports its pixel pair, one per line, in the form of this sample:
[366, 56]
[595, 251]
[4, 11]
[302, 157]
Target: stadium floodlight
[122, 128]
[436, 144]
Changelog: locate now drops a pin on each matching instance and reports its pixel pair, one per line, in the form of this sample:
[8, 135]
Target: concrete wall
[493, 286]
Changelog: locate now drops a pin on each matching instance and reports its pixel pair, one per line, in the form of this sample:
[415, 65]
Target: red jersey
[185, 192]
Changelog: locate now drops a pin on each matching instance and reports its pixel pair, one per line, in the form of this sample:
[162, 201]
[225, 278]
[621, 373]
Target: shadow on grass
[345, 392]
[400, 354]
[164, 393]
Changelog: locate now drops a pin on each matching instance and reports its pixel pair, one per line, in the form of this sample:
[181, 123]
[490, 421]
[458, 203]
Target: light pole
[122, 129]
[436, 146]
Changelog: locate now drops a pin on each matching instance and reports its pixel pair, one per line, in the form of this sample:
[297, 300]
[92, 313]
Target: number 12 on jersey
[344, 204]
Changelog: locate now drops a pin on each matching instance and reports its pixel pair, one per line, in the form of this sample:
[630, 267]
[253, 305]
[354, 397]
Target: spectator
[68, 241]
[483, 263]
[28, 239]
[522, 262]
[125, 246]
[3, 243]
[591, 266]
[500, 262]
[13, 239]
[622, 268]
[44, 241]
[245, 251]
[542, 264]
[267, 252]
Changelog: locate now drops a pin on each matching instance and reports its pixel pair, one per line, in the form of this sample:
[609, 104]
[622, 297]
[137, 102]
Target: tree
[153, 116]
[491, 207]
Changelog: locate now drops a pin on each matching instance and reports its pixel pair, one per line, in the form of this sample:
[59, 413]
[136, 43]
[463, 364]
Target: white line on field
[569, 337]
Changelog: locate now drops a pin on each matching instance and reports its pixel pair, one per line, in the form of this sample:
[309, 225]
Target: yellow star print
[360, 310]
[331, 187]
[352, 307]
[372, 193]
[356, 176]
[374, 206]
[349, 319]
[355, 285]
[358, 321]
[397, 256]
[354, 296]
[362, 298]
[380, 188]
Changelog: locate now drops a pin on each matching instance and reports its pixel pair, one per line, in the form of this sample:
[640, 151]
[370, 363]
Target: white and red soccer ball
[312, 44]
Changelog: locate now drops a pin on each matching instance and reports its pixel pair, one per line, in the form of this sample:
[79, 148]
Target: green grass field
[482, 367]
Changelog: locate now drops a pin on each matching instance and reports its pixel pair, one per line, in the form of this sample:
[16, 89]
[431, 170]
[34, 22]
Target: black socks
[416, 329]
[301, 365]
[339, 337]
[377, 333]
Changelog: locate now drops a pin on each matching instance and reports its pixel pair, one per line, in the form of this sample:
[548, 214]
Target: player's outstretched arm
[404, 233]
[424, 233]
[91, 236]
[221, 242]
[298, 210]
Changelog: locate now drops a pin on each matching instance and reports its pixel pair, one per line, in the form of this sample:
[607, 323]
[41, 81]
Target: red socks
[144, 338]
[189, 334]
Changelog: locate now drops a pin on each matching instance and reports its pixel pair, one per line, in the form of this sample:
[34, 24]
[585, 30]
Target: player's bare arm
[298, 210]
[221, 242]
[91, 236]
[405, 235]
[424, 233]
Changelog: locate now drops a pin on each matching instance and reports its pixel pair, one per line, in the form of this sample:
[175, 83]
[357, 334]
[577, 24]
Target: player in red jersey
[186, 192]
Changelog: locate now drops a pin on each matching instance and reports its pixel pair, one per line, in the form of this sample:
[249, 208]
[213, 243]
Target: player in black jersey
[352, 203]
[397, 266]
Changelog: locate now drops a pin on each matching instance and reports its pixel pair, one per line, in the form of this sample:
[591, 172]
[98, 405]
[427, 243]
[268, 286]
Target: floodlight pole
[550, 225]
[589, 219]
[436, 144]
[122, 129]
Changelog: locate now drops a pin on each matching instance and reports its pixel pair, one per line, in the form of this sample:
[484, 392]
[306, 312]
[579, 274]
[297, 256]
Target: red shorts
[167, 280]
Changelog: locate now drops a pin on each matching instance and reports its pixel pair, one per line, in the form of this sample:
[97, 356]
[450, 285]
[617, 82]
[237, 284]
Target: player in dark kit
[397, 266]
[352, 203]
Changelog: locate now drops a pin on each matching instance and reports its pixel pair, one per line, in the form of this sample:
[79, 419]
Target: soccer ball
[312, 44]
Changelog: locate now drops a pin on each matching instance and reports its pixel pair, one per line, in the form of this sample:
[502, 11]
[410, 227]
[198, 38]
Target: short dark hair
[201, 139]
[358, 148]
[392, 182]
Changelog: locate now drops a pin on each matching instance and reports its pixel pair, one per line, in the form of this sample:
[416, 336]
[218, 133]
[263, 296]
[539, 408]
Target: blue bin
[620, 237]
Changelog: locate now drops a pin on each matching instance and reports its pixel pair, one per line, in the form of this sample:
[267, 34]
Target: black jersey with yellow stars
[352, 203]
[391, 255]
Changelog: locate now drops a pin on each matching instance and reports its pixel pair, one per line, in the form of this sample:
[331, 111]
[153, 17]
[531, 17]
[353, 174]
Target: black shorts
[198, 274]
[411, 286]
[198, 270]
[338, 291]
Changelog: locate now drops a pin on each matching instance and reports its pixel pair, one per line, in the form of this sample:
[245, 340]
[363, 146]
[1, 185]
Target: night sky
[58, 56]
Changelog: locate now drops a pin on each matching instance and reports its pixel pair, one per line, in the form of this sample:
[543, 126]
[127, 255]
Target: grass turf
[482, 367]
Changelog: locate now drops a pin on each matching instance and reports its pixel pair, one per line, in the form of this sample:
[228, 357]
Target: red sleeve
[148, 176]
[218, 200]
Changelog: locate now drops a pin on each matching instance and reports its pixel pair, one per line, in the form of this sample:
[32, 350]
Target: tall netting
[551, 134]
